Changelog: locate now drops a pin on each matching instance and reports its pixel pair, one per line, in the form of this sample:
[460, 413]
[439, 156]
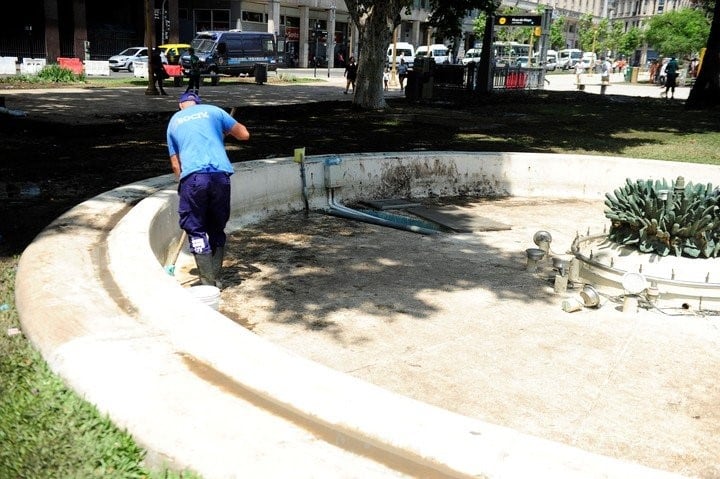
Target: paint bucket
[206, 294]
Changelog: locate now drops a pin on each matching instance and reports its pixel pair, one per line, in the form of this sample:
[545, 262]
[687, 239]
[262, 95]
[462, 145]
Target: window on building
[255, 17]
[212, 20]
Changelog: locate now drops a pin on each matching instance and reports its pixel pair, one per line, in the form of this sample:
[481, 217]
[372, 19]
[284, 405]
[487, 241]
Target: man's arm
[239, 132]
[175, 164]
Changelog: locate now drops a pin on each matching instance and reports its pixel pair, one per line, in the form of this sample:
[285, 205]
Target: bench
[585, 79]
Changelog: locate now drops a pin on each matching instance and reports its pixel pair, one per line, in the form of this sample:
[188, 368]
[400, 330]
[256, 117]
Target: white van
[568, 57]
[589, 60]
[404, 51]
[551, 59]
[438, 52]
[472, 55]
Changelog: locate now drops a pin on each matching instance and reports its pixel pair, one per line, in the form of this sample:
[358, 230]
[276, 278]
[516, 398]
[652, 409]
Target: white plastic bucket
[206, 294]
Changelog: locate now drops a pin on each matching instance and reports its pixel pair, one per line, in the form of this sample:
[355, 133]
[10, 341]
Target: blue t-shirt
[196, 134]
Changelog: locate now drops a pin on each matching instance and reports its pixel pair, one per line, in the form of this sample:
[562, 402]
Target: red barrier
[72, 64]
[173, 70]
[516, 80]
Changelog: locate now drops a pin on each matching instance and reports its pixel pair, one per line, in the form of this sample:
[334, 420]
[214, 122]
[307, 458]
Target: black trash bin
[260, 73]
[413, 85]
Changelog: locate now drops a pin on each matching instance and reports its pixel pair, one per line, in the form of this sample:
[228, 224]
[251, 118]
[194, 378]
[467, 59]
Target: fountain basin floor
[456, 321]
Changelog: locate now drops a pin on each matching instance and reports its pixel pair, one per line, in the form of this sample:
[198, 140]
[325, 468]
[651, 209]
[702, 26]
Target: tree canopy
[678, 32]
[376, 21]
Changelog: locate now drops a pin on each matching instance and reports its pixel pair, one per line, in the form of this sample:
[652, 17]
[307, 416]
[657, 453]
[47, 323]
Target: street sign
[518, 20]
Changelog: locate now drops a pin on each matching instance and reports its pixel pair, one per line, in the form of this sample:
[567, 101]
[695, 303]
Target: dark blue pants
[193, 83]
[204, 210]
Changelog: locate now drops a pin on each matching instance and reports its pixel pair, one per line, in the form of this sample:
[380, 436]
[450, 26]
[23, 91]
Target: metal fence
[103, 45]
[503, 78]
[516, 78]
[22, 47]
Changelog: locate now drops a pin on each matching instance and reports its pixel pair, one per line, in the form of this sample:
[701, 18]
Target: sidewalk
[92, 105]
[84, 105]
[566, 82]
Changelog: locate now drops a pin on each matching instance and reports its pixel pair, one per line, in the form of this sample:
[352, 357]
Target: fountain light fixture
[543, 239]
[590, 296]
[634, 283]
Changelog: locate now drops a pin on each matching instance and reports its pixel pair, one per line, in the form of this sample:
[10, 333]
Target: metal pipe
[337, 209]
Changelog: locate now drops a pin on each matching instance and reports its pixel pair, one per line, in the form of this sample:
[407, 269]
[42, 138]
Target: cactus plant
[666, 218]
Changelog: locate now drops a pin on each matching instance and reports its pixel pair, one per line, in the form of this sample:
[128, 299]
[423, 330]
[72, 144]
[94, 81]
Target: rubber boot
[217, 262]
[206, 271]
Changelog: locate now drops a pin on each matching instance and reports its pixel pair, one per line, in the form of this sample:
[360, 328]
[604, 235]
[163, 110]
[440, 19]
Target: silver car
[124, 60]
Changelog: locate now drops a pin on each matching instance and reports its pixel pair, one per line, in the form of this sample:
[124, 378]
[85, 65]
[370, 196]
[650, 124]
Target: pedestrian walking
[671, 74]
[402, 72]
[194, 73]
[605, 68]
[195, 139]
[350, 74]
[158, 70]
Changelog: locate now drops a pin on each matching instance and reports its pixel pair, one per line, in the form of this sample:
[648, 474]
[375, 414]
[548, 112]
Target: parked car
[173, 51]
[472, 55]
[525, 62]
[124, 60]
[550, 60]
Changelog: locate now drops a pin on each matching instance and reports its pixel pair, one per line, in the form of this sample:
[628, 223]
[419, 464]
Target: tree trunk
[484, 74]
[52, 32]
[369, 92]
[149, 43]
[376, 23]
[705, 92]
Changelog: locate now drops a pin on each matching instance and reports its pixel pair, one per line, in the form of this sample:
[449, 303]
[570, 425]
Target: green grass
[692, 147]
[52, 75]
[46, 430]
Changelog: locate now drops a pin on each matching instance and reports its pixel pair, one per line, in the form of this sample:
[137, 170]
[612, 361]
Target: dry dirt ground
[455, 320]
[63, 154]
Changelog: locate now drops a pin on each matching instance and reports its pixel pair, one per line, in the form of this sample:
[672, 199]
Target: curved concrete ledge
[199, 391]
